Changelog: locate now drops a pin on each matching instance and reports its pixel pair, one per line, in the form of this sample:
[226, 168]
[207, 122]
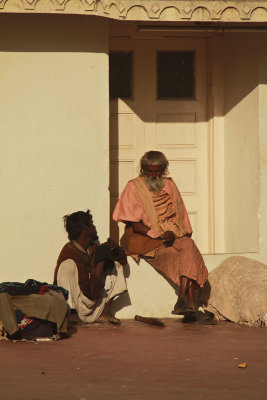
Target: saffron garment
[73, 274]
[164, 211]
[135, 205]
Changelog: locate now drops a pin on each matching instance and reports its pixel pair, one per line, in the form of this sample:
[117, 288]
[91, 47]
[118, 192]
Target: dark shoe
[189, 317]
[180, 307]
[206, 318]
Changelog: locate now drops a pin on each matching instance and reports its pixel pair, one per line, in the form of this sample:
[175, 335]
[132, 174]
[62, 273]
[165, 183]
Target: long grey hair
[154, 158]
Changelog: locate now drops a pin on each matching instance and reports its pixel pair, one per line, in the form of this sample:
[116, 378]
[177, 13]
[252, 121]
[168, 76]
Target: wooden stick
[149, 320]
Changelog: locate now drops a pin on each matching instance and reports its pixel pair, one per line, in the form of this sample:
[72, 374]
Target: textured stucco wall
[54, 136]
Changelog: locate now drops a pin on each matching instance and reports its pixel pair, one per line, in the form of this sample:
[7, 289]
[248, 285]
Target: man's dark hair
[74, 223]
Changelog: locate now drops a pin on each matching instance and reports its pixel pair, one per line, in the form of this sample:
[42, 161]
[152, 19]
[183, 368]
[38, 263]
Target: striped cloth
[182, 258]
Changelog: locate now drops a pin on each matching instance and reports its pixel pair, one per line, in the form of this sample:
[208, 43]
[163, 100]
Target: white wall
[245, 130]
[241, 142]
[54, 136]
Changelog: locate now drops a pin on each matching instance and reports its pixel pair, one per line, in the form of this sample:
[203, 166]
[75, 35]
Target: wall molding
[146, 10]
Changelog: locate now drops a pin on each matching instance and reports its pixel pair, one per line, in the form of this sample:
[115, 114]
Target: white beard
[154, 184]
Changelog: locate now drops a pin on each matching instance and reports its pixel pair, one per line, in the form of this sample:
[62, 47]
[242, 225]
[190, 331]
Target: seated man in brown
[158, 229]
[92, 274]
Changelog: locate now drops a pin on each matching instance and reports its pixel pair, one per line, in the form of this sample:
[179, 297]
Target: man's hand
[118, 252]
[168, 238]
[112, 245]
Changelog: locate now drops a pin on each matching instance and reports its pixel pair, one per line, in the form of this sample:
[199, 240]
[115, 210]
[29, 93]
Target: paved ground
[139, 361]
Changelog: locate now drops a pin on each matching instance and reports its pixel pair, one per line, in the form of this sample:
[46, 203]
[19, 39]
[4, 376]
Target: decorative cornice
[147, 10]
[2, 4]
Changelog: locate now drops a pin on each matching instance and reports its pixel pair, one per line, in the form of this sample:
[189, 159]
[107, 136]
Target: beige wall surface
[54, 136]
[242, 53]
[245, 133]
[245, 147]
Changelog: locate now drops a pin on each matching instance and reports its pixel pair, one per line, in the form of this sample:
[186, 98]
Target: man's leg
[185, 302]
[183, 264]
[106, 315]
[193, 272]
[168, 261]
[193, 286]
[184, 286]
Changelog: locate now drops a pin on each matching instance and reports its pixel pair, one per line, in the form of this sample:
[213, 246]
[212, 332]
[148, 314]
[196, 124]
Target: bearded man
[158, 229]
[92, 273]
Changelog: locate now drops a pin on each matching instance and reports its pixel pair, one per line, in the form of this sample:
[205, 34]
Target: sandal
[181, 308]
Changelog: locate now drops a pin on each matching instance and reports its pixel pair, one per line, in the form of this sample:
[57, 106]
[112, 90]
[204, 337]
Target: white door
[175, 124]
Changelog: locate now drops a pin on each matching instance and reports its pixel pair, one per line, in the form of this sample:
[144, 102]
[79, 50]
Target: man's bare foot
[108, 318]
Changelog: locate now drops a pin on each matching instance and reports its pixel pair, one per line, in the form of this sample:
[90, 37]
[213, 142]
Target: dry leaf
[242, 365]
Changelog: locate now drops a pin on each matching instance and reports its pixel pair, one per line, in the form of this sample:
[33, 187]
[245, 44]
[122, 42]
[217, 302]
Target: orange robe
[164, 211]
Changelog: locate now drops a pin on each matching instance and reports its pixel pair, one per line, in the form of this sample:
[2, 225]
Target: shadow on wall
[124, 299]
[50, 33]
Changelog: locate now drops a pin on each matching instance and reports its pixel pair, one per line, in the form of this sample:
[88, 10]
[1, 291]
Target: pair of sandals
[191, 315]
[181, 308]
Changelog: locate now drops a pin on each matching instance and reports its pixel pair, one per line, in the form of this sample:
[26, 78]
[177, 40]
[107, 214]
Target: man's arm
[142, 229]
[129, 207]
[96, 281]
[117, 251]
[168, 237]
[139, 227]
